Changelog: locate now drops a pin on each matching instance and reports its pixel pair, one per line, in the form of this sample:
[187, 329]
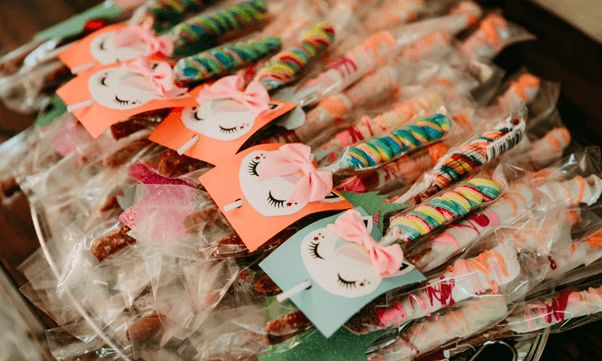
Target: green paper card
[54, 109]
[373, 204]
[75, 24]
[343, 345]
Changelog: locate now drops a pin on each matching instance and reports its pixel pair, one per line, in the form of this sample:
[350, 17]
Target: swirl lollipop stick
[464, 160]
[203, 30]
[224, 59]
[286, 66]
[402, 171]
[441, 210]
[372, 127]
[347, 70]
[166, 13]
[384, 149]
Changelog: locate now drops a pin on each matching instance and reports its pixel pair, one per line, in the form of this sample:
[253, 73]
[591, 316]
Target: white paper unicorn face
[270, 196]
[103, 50]
[116, 88]
[340, 267]
[223, 119]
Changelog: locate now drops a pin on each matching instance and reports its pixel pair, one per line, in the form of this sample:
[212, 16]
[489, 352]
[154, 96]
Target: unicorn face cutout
[270, 197]
[103, 50]
[222, 119]
[340, 267]
[116, 88]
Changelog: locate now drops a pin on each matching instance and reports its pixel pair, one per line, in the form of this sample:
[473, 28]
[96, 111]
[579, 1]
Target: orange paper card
[264, 211]
[97, 49]
[103, 96]
[222, 126]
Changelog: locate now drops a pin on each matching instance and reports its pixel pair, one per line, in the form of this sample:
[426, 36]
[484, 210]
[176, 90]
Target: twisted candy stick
[284, 67]
[490, 38]
[371, 127]
[460, 162]
[441, 210]
[549, 148]
[556, 309]
[394, 14]
[522, 90]
[201, 29]
[464, 279]
[427, 46]
[224, 59]
[350, 67]
[335, 107]
[574, 191]
[582, 253]
[503, 211]
[471, 318]
[169, 11]
[405, 170]
[381, 150]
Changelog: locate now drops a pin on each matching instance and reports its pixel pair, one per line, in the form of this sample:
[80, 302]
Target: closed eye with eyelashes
[253, 168]
[226, 130]
[313, 250]
[121, 101]
[274, 202]
[346, 284]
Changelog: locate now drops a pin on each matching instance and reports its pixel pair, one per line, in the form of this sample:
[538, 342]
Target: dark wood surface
[562, 53]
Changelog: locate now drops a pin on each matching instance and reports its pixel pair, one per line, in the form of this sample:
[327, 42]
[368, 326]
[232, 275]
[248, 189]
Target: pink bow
[255, 97]
[314, 186]
[160, 78]
[386, 260]
[136, 33]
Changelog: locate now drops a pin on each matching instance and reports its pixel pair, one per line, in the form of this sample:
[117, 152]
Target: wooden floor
[551, 58]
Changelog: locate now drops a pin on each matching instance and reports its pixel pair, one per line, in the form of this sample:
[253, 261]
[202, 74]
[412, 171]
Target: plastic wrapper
[370, 88]
[165, 13]
[421, 337]
[539, 95]
[26, 92]
[370, 127]
[397, 174]
[568, 256]
[393, 145]
[467, 158]
[571, 306]
[494, 33]
[441, 210]
[516, 203]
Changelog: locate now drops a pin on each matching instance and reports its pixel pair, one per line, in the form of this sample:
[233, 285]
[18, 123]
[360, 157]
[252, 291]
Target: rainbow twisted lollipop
[285, 66]
[442, 210]
[382, 150]
[487, 147]
[224, 59]
[165, 13]
[373, 127]
[202, 28]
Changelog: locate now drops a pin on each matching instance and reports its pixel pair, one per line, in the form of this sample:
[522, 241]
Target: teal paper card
[342, 277]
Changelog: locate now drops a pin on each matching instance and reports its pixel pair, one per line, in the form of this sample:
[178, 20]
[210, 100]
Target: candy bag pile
[312, 180]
